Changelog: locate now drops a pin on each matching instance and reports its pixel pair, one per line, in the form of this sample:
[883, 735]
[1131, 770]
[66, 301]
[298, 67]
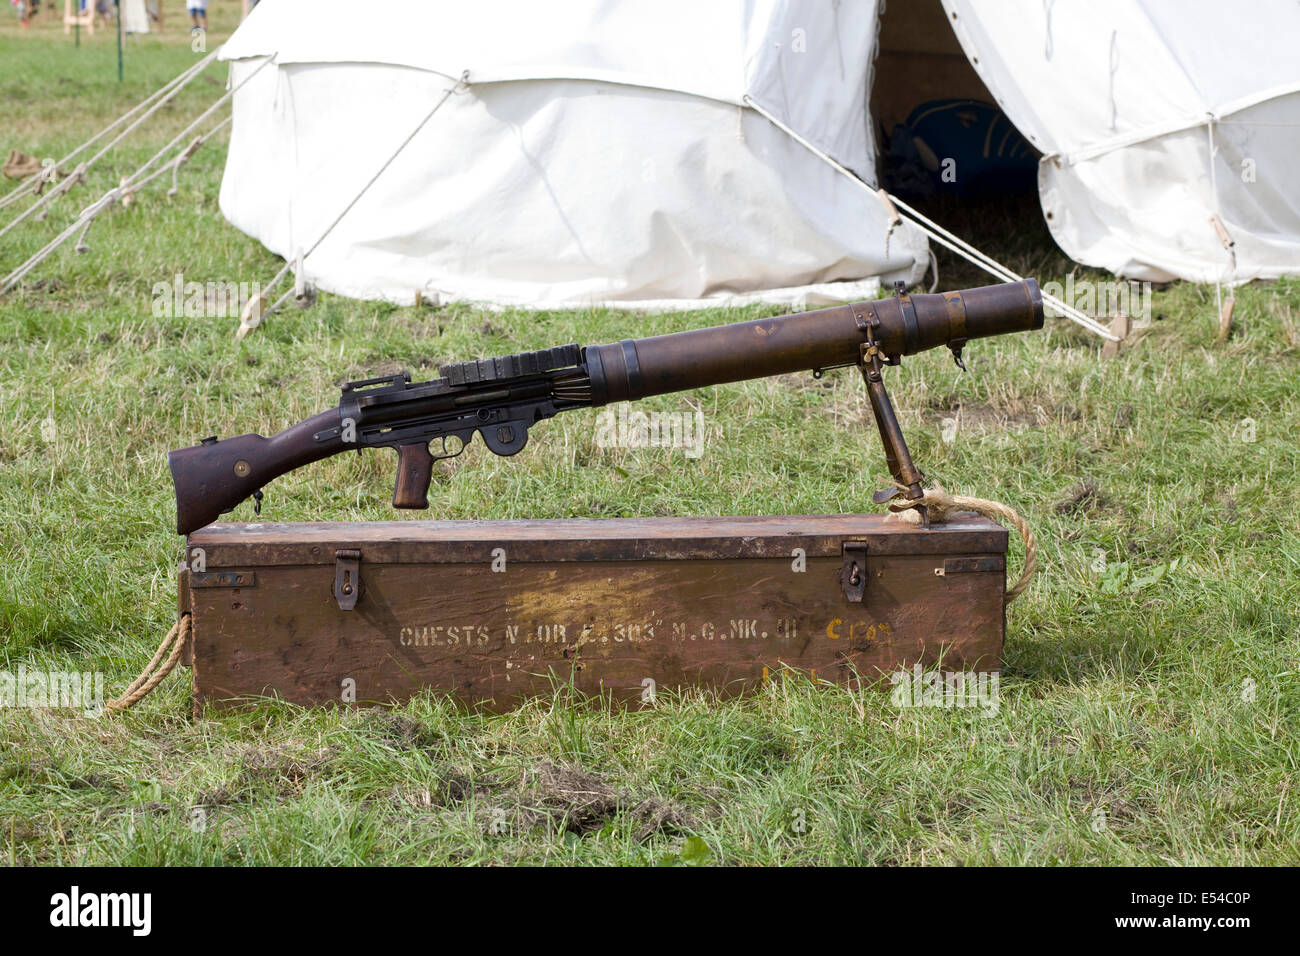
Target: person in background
[27, 10]
[198, 10]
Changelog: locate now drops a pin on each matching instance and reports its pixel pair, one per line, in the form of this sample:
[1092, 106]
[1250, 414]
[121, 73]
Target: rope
[171, 648]
[34, 180]
[249, 320]
[936, 232]
[995, 268]
[1216, 221]
[199, 120]
[175, 163]
[87, 215]
[940, 505]
[31, 184]
[68, 183]
[127, 187]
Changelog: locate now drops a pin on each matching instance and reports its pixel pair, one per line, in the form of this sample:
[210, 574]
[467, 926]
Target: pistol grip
[414, 471]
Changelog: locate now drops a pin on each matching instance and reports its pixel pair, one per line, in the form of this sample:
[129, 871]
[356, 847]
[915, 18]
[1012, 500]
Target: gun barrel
[501, 397]
[825, 338]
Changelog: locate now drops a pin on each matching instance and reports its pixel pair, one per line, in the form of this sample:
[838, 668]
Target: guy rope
[256, 309]
[36, 181]
[129, 185]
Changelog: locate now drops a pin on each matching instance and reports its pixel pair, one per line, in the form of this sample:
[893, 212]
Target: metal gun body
[501, 398]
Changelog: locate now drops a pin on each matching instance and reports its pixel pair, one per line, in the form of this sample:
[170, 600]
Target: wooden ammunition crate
[498, 611]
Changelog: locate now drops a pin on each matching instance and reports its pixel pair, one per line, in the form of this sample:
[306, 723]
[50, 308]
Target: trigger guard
[514, 440]
[442, 454]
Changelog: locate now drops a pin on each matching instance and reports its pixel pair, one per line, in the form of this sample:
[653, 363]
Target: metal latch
[347, 578]
[853, 572]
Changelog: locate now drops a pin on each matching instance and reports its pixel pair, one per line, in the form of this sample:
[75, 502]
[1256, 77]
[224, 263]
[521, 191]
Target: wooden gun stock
[214, 476]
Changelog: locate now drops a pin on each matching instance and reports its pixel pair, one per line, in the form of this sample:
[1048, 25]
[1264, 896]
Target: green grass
[1122, 693]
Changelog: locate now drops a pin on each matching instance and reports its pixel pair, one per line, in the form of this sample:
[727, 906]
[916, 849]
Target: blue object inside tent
[958, 147]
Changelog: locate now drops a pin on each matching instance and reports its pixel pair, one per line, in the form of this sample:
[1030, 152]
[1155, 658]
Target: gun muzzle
[911, 324]
[825, 338]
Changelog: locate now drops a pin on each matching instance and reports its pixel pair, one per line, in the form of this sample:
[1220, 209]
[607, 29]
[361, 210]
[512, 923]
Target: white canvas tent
[675, 154]
[601, 152]
[1154, 117]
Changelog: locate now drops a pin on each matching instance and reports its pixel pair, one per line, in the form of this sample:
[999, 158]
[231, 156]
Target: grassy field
[1151, 690]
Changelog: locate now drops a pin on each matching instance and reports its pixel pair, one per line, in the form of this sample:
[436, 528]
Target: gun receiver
[501, 398]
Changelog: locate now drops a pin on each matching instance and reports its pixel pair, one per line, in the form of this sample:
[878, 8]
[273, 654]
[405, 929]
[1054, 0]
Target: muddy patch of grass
[282, 767]
[1086, 497]
[565, 797]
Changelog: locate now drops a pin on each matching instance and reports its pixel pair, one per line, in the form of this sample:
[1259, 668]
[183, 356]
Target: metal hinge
[347, 578]
[853, 572]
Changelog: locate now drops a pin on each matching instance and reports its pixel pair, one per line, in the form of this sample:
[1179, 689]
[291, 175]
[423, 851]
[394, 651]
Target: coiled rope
[164, 660]
[940, 506]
